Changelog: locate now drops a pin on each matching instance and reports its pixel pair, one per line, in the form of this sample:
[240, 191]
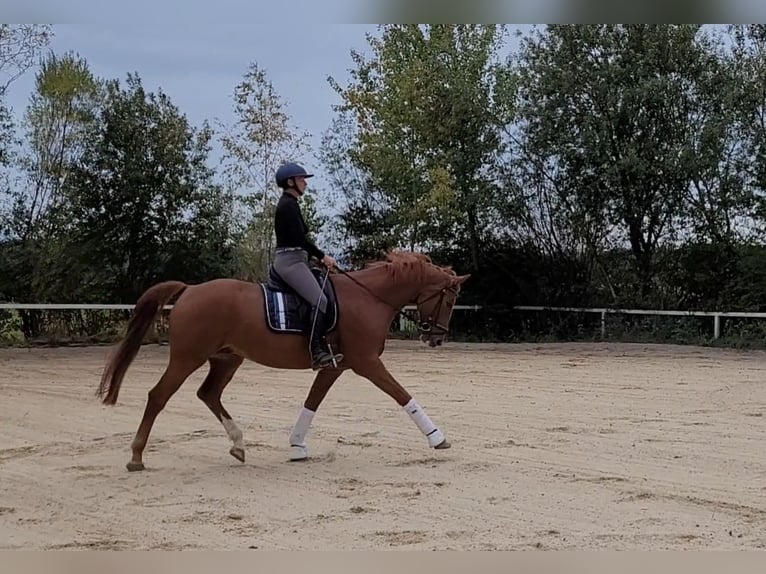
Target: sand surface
[560, 446]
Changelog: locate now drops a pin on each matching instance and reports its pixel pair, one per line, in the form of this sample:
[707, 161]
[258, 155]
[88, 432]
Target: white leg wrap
[298, 452]
[420, 418]
[233, 431]
[301, 428]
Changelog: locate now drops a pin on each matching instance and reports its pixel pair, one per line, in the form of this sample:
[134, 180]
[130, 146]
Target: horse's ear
[459, 279]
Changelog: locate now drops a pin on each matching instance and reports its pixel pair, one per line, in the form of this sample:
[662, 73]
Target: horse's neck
[397, 291]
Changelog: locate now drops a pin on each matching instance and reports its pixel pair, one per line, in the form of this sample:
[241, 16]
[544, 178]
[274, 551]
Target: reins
[378, 297]
[399, 310]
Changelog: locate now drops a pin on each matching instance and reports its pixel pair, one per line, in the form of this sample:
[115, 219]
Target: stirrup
[323, 359]
[321, 362]
[336, 357]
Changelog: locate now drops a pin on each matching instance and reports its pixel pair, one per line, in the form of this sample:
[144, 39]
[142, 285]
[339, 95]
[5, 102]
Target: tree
[260, 139]
[61, 113]
[748, 63]
[427, 130]
[606, 110]
[366, 222]
[58, 120]
[141, 205]
[20, 45]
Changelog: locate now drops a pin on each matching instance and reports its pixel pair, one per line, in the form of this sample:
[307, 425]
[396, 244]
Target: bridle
[428, 327]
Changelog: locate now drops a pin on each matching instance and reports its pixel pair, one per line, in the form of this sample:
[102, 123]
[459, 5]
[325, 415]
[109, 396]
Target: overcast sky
[198, 66]
[198, 56]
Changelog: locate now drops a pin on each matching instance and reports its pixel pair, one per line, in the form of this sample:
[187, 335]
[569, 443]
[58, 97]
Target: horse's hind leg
[175, 374]
[222, 369]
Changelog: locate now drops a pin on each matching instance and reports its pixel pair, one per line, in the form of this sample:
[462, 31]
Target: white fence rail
[717, 316]
[603, 311]
[107, 306]
[69, 306]
[118, 306]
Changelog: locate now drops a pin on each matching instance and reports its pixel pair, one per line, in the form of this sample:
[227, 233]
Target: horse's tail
[146, 309]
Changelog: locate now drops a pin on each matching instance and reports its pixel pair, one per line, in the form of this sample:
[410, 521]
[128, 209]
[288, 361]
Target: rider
[292, 255]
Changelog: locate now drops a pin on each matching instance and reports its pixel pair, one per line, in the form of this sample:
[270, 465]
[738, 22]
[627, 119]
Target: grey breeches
[293, 267]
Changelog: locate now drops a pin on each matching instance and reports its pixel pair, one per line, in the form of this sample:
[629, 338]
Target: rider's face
[300, 184]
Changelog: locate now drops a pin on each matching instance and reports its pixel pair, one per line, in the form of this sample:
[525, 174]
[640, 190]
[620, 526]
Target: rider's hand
[328, 261]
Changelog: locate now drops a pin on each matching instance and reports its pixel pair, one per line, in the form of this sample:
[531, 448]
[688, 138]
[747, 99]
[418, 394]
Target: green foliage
[141, 198]
[119, 193]
[61, 111]
[260, 139]
[608, 108]
[426, 133]
[10, 328]
[595, 166]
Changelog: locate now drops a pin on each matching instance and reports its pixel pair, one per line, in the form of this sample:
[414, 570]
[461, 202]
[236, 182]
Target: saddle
[287, 312]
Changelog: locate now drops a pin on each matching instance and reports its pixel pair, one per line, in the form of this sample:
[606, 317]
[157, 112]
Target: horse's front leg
[322, 383]
[377, 373]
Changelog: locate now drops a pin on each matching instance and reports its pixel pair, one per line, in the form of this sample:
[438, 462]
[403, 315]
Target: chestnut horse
[225, 321]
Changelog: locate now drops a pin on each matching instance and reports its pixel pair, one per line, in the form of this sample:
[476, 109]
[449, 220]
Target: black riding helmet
[290, 170]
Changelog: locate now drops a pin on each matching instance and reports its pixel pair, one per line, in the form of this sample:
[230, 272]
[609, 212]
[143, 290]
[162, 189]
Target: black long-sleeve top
[291, 228]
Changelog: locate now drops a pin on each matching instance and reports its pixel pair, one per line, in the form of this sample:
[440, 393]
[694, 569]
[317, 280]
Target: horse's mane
[400, 262]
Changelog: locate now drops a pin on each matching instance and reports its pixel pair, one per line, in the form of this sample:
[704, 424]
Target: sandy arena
[561, 446]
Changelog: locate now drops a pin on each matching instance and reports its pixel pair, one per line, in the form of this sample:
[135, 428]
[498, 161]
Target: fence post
[716, 326]
[603, 324]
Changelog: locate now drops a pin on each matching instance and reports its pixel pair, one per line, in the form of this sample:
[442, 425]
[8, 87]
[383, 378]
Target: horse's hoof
[134, 466]
[298, 452]
[238, 453]
[443, 444]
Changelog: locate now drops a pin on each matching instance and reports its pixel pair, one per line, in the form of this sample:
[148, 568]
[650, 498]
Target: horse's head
[435, 303]
[432, 289]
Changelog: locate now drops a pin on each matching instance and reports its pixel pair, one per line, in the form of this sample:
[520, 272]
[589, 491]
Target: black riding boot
[320, 354]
